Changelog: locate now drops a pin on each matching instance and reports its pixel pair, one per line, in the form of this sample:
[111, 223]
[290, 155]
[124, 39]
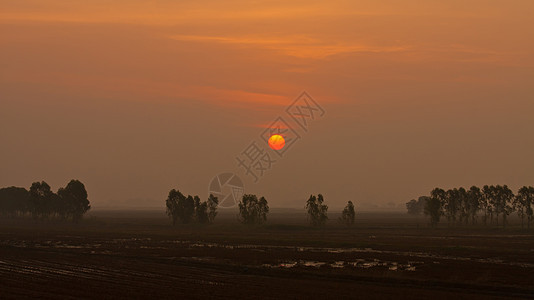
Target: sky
[135, 98]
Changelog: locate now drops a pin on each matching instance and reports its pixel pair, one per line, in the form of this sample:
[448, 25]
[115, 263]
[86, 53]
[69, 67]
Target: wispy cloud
[149, 90]
[175, 12]
[295, 46]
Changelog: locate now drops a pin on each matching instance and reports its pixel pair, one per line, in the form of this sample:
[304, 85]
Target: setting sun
[277, 142]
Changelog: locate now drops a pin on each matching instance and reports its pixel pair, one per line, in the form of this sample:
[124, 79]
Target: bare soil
[140, 255]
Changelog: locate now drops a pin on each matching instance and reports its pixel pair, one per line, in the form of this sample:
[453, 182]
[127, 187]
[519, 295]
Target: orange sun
[276, 142]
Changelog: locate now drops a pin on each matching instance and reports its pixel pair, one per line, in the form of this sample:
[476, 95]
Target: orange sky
[137, 97]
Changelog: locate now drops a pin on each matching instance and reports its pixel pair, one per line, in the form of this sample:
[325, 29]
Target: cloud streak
[295, 46]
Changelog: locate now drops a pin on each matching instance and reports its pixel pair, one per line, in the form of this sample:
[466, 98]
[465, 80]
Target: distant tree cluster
[69, 203]
[416, 207]
[189, 209]
[253, 210]
[317, 211]
[461, 206]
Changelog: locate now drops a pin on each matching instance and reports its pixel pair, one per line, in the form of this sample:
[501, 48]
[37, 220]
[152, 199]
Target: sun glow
[277, 142]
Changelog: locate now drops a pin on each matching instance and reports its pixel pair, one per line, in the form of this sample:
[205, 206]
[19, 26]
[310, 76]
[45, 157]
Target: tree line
[493, 204]
[190, 208]
[40, 202]
[252, 210]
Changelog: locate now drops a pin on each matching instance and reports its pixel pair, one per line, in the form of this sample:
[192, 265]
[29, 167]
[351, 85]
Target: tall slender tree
[433, 209]
[348, 214]
[172, 203]
[439, 194]
[505, 197]
[263, 210]
[487, 203]
[187, 209]
[213, 202]
[474, 199]
[463, 206]
[523, 204]
[452, 205]
[201, 212]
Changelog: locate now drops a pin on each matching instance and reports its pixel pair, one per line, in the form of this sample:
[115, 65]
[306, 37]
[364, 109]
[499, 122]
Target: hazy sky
[137, 97]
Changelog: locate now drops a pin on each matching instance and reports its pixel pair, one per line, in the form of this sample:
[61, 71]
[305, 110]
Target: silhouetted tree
[173, 209]
[201, 210]
[434, 204]
[316, 210]
[190, 208]
[72, 201]
[494, 201]
[69, 203]
[523, 204]
[252, 210]
[212, 204]
[263, 210]
[487, 203]
[498, 201]
[348, 214]
[186, 209]
[504, 197]
[13, 201]
[452, 205]
[415, 207]
[196, 201]
[40, 201]
[248, 208]
[463, 205]
[439, 194]
[474, 201]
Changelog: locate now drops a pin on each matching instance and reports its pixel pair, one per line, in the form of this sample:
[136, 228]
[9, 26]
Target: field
[138, 254]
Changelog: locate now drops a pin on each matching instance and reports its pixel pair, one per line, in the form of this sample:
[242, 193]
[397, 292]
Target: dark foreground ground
[139, 255]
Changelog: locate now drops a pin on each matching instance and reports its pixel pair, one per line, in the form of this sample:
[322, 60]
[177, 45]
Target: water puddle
[102, 246]
[359, 263]
[360, 250]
